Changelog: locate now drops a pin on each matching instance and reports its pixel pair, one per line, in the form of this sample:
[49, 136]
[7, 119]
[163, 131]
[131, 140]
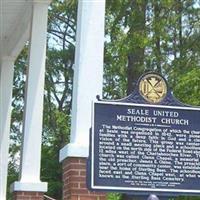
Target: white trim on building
[20, 20]
[88, 74]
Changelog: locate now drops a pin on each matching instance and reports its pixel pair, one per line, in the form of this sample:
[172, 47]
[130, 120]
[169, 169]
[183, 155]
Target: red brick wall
[28, 196]
[74, 181]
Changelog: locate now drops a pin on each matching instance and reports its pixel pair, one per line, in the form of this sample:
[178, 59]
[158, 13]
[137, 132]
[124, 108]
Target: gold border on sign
[153, 88]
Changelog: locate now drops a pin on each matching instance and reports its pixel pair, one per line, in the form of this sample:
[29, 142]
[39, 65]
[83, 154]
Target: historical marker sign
[145, 147]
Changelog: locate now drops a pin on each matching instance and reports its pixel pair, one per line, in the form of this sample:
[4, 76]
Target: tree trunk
[157, 37]
[136, 54]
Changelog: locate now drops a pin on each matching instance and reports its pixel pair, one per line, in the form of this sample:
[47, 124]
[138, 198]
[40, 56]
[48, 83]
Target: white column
[88, 74]
[6, 83]
[32, 130]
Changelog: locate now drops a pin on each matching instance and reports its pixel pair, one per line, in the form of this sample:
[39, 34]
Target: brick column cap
[29, 187]
[73, 150]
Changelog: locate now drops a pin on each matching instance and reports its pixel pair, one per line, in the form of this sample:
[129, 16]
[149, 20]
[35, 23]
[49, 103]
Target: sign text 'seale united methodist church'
[147, 142]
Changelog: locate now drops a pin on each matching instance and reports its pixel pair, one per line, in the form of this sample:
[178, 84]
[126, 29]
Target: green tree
[58, 91]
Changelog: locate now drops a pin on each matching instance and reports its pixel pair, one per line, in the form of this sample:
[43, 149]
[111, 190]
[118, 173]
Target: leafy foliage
[188, 88]
[113, 196]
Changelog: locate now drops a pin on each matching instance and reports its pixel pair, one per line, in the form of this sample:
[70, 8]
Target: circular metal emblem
[153, 88]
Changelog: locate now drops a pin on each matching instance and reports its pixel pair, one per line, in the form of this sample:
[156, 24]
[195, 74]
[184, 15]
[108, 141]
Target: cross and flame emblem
[153, 88]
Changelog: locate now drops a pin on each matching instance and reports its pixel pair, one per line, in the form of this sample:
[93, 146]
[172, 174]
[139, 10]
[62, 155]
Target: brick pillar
[74, 181]
[28, 196]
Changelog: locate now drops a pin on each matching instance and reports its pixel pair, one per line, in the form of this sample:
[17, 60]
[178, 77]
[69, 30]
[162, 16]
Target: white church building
[26, 20]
